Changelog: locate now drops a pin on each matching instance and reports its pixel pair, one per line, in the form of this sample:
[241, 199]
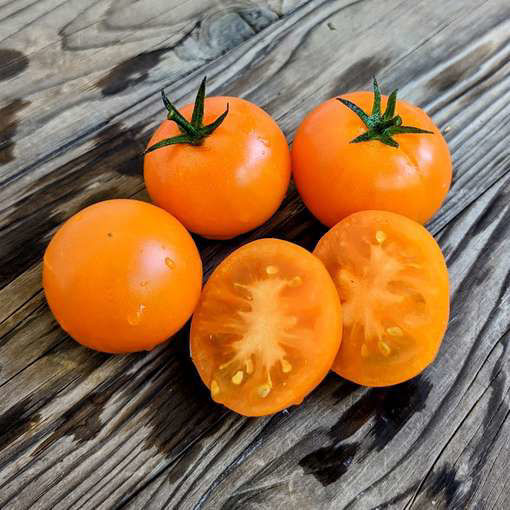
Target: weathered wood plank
[81, 429]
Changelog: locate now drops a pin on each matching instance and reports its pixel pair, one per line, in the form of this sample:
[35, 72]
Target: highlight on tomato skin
[267, 327]
[221, 166]
[393, 284]
[367, 151]
[122, 276]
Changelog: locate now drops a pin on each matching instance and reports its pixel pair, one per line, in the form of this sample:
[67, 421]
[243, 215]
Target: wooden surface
[79, 84]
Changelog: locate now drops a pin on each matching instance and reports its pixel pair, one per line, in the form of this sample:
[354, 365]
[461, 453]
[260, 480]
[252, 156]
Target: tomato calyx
[194, 132]
[381, 127]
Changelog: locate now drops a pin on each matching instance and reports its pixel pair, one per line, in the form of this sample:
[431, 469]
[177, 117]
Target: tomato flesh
[267, 327]
[393, 285]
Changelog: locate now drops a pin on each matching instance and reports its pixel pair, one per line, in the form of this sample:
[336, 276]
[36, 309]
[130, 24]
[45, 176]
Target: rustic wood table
[79, 96]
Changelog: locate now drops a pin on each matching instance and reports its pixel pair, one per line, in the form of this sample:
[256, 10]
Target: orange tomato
[122, 276]
[393, 284]
[398, 170]
[267, 327]
[229, 181]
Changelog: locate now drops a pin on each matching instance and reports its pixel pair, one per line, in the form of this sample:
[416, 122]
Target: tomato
[122, 276]
[226, 182]
[399, 168]
[393, 284]
[267, 327]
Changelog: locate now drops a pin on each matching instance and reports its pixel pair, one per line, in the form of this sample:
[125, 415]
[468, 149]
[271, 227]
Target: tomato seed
[286, 366]
[384, 348]
[264, 390]
[237, 378]
[380, 236]
[249, 366]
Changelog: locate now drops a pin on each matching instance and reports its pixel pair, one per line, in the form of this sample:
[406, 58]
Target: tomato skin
[230, 184]
[392, 281]
[336, 178]
[306, 307]
[122, 276]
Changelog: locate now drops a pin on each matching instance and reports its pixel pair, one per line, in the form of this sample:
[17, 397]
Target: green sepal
[194, 132]
[170, 141]
[381, 127]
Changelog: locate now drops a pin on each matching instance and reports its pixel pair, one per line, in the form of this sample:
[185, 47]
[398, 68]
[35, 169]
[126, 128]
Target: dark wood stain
[460, 69]
[344, 388]
[30, 321]
[442, 488]
[8, 127]
[390, 408]
[12, 63]
[359, 75]
[330, 463]
[185, 462]
[395, 406]
[17, 421]
[119, 138]
[82, 420]
[131, 72]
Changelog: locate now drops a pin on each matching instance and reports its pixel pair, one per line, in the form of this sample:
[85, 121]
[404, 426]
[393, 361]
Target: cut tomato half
[393, 284]
[267, 327]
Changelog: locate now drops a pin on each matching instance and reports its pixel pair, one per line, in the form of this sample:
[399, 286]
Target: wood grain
[78, 100]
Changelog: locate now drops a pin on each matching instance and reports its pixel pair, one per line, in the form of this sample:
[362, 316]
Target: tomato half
[393, 284]
[122, 276]
[226, 183]
[267, 327]
[401, 171]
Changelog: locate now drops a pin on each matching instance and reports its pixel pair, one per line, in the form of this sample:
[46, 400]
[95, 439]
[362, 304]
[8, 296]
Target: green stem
[194, 132]
[381, 127]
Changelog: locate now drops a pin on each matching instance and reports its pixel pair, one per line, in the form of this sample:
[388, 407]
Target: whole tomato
[345, 160]
[221, 166]
[122, 276]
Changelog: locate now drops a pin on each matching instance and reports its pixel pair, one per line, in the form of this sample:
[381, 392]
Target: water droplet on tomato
[135, 318]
